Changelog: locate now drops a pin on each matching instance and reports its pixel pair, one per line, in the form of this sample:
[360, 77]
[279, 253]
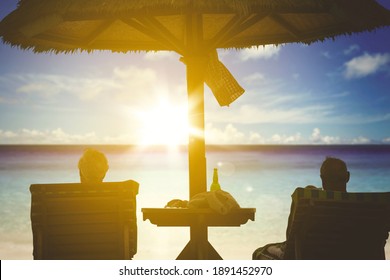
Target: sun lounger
[336, 225]
[84, 221]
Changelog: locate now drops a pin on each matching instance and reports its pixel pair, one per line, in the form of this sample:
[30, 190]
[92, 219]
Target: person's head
[93, 166]
[334, 174]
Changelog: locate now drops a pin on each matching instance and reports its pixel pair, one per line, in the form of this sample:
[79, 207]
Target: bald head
[93, 166]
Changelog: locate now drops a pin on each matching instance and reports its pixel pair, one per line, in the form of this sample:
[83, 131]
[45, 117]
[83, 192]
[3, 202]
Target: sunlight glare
[164, 124]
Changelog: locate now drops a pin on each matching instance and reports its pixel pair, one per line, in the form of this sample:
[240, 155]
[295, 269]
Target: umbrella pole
[196, 66]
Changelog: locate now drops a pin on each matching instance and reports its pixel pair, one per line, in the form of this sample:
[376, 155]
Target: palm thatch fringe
[32, 16]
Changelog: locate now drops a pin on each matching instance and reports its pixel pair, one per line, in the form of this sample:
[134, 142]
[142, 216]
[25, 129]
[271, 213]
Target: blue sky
[333, 92]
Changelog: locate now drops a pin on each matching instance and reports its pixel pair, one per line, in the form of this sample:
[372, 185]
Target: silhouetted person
[93, 166]
[334, 176]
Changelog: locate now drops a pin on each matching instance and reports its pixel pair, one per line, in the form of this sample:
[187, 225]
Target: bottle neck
[215, 177]
[215, 185]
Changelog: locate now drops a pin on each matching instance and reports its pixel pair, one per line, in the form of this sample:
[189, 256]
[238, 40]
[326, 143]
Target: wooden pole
[196, 142]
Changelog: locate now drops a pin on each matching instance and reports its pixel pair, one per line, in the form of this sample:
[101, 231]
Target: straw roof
[183, 25]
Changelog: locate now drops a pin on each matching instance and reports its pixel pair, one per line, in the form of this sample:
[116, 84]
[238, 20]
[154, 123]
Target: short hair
[334, 171]
[93, 166]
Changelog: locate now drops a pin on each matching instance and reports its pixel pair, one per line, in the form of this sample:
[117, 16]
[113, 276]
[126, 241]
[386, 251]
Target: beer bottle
[215, 184]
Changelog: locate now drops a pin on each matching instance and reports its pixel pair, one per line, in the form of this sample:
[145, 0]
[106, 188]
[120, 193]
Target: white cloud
[255, 79]
[33, 87]
[256, 138]
[362, 119]
[160, 55]
[351, 49]
[326, 55]
[59, 136]
[318, 138]
[232, 135]
[229, 135]
[41, 85]
[272, 102]
[134, 83]
[365, 65]
[270, 113]
[275, 104]
[361, 140]
[56, 136]
[7, 134]
[265, 52]
[133, 73]
[286, 139]
[124, 85]
[341, 94]
[49, 86]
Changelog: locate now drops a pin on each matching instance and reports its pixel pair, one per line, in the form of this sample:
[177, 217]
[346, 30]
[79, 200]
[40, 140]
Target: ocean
[261, 177]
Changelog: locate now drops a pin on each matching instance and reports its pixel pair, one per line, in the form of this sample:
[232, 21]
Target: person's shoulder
[311, 187]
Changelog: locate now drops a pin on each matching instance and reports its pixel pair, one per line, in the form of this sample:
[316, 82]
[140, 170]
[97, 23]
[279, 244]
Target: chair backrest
[84, 221]
[338, 225]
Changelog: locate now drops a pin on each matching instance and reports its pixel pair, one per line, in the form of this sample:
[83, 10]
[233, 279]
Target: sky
[331, 92]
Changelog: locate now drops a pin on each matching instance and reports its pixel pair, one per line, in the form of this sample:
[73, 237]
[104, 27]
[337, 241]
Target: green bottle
[215, 185]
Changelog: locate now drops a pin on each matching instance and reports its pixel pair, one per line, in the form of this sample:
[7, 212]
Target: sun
[164, 124]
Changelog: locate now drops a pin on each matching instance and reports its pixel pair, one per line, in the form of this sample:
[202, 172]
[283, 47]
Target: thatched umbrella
[192, 28]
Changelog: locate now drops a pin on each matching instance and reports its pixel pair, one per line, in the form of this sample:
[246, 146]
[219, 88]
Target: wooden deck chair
[84, 221]
[337, 225]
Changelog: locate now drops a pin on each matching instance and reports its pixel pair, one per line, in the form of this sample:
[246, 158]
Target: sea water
[261, 177]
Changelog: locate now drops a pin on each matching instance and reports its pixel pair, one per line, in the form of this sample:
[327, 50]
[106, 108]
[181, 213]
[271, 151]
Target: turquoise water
[262, 177]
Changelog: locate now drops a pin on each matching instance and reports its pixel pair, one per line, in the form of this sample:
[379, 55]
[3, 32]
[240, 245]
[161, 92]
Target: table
[198, 248]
